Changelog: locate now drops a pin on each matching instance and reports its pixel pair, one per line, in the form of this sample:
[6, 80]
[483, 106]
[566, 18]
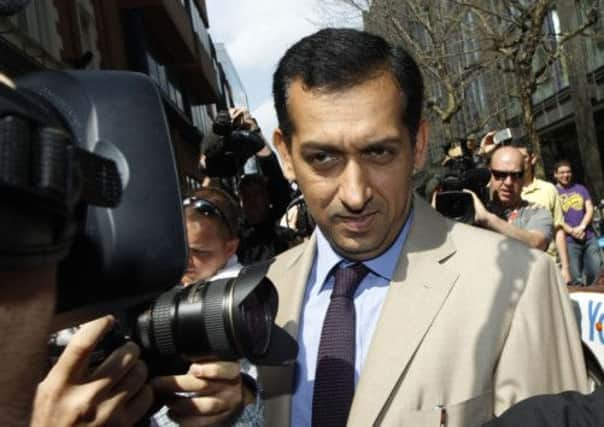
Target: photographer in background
[261, 237]
[537, 191]
[212, 218]
[237, 138]
[508, 213]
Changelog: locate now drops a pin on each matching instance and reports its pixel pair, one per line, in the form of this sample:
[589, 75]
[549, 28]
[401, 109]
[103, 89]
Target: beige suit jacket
[473, 322]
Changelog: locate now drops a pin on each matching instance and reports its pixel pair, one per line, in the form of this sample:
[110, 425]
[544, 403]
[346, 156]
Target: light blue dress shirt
[368, 300]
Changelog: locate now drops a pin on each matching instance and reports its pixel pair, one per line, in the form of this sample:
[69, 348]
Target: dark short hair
[562, 162]
[226, 204]
[335, 59]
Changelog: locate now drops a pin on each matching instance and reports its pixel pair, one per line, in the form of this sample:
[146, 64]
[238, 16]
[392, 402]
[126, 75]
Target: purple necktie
[334, 378]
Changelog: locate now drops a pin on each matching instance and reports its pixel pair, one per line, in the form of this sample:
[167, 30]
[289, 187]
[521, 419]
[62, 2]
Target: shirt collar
[383, 265]
[533, 186]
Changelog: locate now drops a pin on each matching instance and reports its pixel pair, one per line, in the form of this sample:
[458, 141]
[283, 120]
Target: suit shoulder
[286, 258]
[481, 242]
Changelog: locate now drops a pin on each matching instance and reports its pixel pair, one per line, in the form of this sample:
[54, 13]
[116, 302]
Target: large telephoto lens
[229, 318]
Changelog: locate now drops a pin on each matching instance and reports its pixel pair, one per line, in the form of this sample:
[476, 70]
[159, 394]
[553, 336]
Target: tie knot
[347, 279]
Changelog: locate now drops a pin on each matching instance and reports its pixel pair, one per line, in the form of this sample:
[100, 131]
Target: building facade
[166, 39]
[486, 102]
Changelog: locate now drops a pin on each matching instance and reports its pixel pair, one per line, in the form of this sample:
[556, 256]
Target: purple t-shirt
[573, 201]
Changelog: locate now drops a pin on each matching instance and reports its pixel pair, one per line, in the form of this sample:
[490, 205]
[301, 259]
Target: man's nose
[355, 186]
[508, 180]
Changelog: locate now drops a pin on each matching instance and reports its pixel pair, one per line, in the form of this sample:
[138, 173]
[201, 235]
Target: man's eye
[380, 153]
[321, 159]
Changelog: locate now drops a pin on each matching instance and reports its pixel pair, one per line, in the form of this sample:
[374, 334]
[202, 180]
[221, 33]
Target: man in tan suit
[470, 323]
[448, 324]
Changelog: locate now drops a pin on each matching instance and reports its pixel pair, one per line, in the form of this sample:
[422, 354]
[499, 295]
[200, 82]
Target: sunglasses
[206, 208]
[502, 175]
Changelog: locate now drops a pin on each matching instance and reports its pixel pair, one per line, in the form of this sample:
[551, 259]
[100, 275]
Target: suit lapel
[290, 279]
[420, 286]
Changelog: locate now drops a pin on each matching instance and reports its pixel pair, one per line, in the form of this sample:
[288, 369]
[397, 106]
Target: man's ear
[421, 144]
[284, 151]
[533, 159]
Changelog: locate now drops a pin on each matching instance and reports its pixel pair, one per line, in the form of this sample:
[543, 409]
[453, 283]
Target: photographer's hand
[487, 144]
[219, 393]
[482, 216]
[248, 122]
[113, 394]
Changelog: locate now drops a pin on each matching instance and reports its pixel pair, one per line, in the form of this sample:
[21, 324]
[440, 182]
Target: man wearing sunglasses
[509, 214]
[213, 219]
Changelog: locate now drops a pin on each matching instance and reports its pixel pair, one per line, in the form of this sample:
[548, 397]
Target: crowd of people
[402, 316]
[554, 217]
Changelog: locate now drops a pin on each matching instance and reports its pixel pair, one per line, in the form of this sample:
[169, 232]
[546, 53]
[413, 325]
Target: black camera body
[463, 173]
[108, 173]
[235, 144]
[137, 249]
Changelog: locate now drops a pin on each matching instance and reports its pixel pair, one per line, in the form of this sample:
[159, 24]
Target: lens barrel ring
[218, 329]
[162, 317]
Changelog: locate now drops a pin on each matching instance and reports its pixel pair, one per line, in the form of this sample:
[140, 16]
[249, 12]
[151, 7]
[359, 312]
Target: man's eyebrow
[384, 141]
[329, 146]
[317, 145]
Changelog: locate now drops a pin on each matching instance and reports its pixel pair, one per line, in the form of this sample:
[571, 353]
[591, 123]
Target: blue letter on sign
[593, 318]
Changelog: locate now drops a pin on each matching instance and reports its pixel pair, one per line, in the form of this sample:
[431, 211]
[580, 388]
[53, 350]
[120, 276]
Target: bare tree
[505, 45]
[438, 34]
[515, 31]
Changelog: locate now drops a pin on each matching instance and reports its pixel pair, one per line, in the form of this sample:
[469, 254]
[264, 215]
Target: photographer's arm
[278, 186]
[533, 238]
[114, 394]
[26, 307]
[219, 393]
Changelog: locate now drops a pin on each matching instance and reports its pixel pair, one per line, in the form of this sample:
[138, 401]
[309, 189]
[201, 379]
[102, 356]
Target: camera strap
[44, 177]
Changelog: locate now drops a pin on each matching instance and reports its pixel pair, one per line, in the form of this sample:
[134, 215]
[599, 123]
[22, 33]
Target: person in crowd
[540, 192]
[402, 316]
[213, 218]
[583, 251]
[262, 237]
[508, 213]
[213, 223]
[544, 193]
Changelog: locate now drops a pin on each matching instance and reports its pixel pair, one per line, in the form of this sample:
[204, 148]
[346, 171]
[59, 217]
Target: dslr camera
[88, 177]
[237, 141]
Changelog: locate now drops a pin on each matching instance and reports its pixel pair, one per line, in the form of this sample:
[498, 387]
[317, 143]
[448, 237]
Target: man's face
[352, 157]
[564, 175]
[507, 168]
[208, 250]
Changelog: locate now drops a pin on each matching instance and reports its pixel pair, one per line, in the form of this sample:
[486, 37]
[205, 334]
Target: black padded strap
[45, 161]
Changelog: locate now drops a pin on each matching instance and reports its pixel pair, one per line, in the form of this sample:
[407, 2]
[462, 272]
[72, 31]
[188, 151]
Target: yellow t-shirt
[545, 194]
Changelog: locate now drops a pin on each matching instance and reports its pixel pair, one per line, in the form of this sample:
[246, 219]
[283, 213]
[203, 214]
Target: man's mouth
[358, 223]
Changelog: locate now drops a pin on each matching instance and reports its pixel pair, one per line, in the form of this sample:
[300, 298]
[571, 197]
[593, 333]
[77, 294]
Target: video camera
[237, 142]
[463, 173]
[87, 164]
